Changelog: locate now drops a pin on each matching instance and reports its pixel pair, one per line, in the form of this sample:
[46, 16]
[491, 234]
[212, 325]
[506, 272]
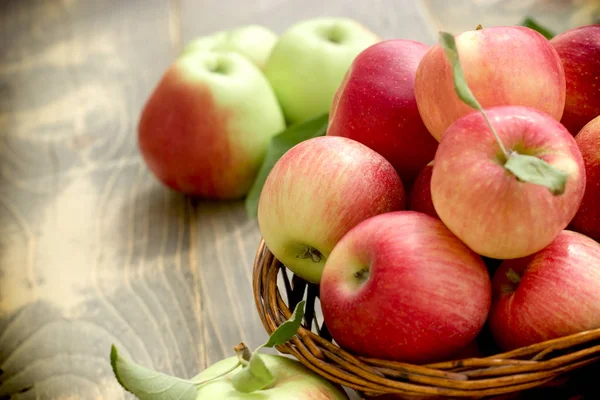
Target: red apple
[587, 219]
[510, 65]
[552, 293]
[318, 191]
[420, 194]
[401, 286]
[206, 127]
[483, 203]
[375, 105]
[579, 50]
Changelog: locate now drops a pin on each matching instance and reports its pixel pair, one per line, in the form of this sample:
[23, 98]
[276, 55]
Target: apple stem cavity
[218, 67]
[513, 276]
[310, 252]
[525, 168]
[335, 34]
[362, 275]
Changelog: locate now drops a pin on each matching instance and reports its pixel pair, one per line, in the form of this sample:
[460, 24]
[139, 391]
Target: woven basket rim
[504, 373]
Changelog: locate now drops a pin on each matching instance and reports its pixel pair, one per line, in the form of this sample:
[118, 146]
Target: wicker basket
[546, 366]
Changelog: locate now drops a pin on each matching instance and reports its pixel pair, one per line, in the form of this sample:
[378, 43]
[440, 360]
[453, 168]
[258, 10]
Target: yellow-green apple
[552, 293]
[309, 61]
[483, 203]
[206, 127]
[255, 42]
[293, 381]
[401, 286]
[375, 104]
[510, 65]
[420, 192]
[316, 192]
[587, 219]
[579, 50]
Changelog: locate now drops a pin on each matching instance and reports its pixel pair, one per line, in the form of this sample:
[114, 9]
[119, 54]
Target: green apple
[254, 42]
[309, 62]
[206, 127]
[293, 381]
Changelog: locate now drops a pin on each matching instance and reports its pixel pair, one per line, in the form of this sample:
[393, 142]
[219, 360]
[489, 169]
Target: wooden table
[93, 251]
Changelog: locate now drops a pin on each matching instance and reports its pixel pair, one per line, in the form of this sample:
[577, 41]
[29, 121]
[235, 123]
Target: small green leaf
[147, 384]
[254, 376]
[535, 170]
[460, 83]
[278, 146]
[531, 23]
[288, 329]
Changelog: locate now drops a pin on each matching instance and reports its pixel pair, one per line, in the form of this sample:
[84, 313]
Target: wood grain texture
[93, 251]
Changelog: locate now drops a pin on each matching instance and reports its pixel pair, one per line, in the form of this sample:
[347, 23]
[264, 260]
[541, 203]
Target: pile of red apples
[405, 213]
[406, 217]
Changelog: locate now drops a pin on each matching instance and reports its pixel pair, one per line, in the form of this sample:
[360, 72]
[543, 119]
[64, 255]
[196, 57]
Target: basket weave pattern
[542, 364]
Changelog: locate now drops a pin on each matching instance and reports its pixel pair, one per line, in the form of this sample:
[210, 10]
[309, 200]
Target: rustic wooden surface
[93, 251]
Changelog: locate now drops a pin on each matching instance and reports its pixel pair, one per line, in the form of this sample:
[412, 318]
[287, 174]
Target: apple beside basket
[547, 364]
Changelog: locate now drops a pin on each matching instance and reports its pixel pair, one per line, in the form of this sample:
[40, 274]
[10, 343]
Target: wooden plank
[93, 251]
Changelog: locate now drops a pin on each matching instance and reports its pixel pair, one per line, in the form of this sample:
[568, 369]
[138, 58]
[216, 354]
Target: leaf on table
[278, 146]
[531, 23]
[535, 170]
[148, 384]
[288, 329]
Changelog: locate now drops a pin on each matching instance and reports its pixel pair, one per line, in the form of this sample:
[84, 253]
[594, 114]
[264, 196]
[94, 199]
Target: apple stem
[512, 276]
[243, 352]
[362, 275]
[200, 383]
[479, 27]
[498, 140]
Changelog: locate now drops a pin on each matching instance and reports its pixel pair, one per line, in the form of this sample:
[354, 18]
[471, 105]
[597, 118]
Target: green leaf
[535, 170]
[147, 384]
[529, 22]
[288, 329]
[254, 376]
[278, 146]
[460, 83]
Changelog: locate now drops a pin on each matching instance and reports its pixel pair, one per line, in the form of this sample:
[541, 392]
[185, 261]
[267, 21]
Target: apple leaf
[288, 329]
[531, 23]
[147, 384]
[253, 376]
[460, 83]
[278, 146]
[535, 170]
